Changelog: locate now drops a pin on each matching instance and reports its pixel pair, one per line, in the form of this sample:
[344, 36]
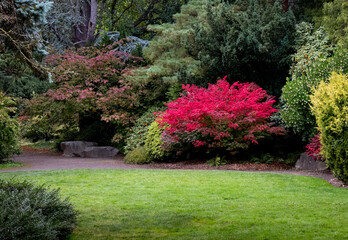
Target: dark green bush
[34, 212]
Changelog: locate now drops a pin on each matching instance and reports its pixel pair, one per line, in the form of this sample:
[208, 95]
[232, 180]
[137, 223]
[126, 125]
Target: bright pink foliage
[313, 148]
[221, 116]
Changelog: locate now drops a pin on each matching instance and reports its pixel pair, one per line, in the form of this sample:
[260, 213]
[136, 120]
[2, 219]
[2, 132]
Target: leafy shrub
[221, 117]
[140, 129]
[9, 142]
[310, 68]
[217, 161]
[153, 142]
[138, 155]
[330, 107]
[34, 212]
[314, 147]
[89, 84]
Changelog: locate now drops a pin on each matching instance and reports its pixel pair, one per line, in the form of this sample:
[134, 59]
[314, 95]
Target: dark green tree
[248, 41]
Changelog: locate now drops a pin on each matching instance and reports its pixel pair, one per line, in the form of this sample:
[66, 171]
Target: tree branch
[38, 70]
[146, 13]
[126, 9]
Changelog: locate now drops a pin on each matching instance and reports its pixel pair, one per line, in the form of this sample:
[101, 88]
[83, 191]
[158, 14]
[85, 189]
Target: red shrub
[221, 116]
[313, 148]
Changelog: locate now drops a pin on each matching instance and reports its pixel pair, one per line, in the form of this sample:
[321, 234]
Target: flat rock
[306, 162]
[100, 152]
[75, 148]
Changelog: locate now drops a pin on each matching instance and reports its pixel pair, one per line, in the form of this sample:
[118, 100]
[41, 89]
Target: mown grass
[167, 204]
[10, 164]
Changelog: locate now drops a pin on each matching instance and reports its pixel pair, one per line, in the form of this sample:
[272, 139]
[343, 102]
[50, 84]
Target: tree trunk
[285, 4]
[92, 21]
[85, 33]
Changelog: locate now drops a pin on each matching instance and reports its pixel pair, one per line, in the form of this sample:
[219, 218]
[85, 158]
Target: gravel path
[33, 161]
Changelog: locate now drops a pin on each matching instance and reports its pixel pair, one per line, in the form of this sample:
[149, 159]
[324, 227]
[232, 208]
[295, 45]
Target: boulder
[99, 152]
[75, 148]
[306, 162]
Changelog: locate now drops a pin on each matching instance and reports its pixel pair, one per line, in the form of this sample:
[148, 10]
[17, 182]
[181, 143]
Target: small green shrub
[9, 143]
[138, 155]
[217, 161]
[153, 143]
[33, 212]
[140, 129]
[330, 107]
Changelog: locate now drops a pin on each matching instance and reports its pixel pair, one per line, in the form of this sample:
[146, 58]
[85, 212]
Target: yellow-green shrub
[153, 142]
[9, 133]
[330, 107]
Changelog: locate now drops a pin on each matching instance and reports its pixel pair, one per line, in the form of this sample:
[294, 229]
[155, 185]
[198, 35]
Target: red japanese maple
[221, 116]
[313, 148]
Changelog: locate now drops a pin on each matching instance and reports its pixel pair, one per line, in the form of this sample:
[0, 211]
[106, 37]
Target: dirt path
[33, 161]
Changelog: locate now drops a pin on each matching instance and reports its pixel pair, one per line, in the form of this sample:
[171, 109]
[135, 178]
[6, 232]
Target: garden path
[45, 160]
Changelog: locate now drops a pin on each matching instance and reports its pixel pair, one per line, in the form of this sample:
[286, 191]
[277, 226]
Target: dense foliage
[313, 62]
[223, 116]
[335, 20]
[314, 147]
[139, 131]
[20, 23]
[90, 96]
[330, 107]
[250, 41]
[34, 212]
[9, 135]
[17, 80]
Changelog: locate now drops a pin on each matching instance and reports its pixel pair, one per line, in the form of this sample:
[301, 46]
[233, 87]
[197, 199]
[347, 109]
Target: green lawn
[166, 204]
[10, 164]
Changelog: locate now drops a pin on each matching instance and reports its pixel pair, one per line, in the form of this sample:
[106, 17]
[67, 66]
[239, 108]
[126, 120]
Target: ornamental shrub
[153, 142]
[89, 90]
[313, 63]
[139, 131]
[9, 132]
[34, 212]
[221, 117]
[138, 155]
[314, 147]
[330, 107]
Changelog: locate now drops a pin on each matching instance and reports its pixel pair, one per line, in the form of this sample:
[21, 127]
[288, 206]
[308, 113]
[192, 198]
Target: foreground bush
[221, 117]
[330, 107]
[9, 144]
[29, 212]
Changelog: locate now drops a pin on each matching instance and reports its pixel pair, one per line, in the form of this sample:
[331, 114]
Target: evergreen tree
[168, 52]
[248, 41]
[20, 22]
[335, 21]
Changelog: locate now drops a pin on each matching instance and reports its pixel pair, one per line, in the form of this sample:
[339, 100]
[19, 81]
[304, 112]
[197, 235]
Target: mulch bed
[28, 149]
[202, 165]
